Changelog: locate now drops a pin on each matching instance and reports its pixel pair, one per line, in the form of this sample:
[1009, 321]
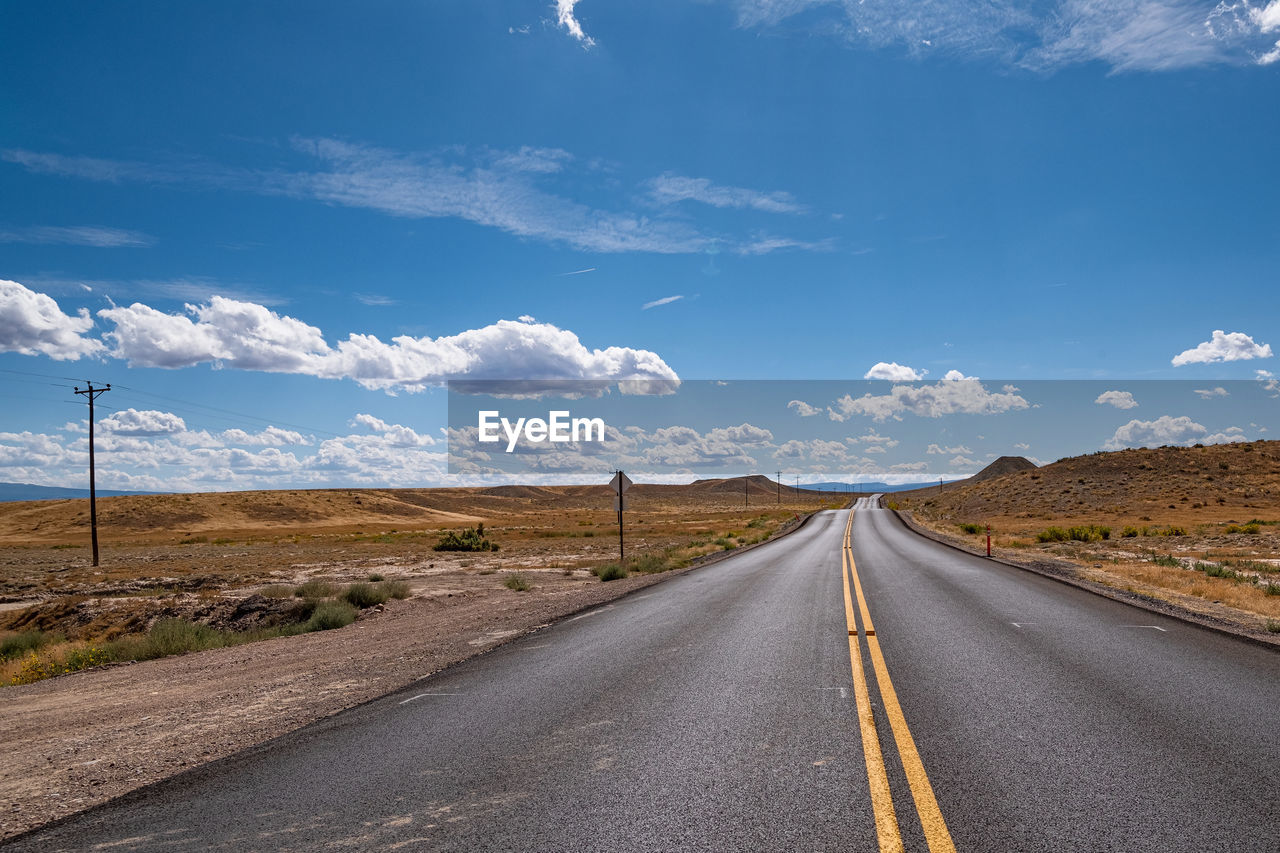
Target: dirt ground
[77, 740]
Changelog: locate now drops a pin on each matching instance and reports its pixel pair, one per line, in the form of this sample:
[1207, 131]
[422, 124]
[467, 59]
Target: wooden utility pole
[93, 394]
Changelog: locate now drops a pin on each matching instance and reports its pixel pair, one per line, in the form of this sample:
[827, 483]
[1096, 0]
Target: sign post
[620, 483]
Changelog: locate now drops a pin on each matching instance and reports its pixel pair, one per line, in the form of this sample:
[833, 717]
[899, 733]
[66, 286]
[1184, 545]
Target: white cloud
[1022, 445]
[803, 409]
[666, 300]
[670, 189]
[1168, 430]
[964, 396]
[818, 449]
[1119, 399]
[396, 434]
[96, 236]
[1232, 346]
[248, 336]
[565, 18]
[723, 446]
[874, 438]
[894, 372]
[1210, 393]
[505, 190]
[32, 324]
[960, 449]
[272, 436]
[136, 422]
[1124, 34]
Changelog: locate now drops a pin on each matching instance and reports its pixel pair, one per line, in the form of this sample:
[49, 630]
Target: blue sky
[359, 202]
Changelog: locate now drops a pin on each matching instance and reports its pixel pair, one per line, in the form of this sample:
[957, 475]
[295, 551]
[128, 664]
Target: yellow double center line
[890, 838]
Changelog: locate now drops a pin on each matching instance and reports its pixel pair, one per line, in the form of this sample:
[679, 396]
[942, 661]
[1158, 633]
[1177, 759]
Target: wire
[223, 414]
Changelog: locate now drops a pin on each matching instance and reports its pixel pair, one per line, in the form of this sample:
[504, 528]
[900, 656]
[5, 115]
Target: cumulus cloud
[145, 422]
[152, 450]
[244, 335]
[873, 438]
[1119, 399]
[31, 323]
[396, 434]
[671, 188]
[1210, 393]
[722, 446]
[803, 409]
[272, 436]
[958, 450]
[1168, 430]
[960, 396]
[1224, 346]
[566, 19]
[894, 372]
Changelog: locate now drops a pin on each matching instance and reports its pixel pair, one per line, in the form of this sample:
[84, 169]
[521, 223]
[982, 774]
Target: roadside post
[620, 483]
[988, 540]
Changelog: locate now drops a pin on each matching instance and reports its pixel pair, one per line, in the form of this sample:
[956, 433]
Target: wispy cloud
[577, 272]
[373, 299]
[1045, 35]
[566, 19]
[516, 192]
[97, 236]
[666, 300]
[671, 189]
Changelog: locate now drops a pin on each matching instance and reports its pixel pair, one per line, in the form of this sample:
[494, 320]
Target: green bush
[1168, 561]
[331, 614]
[467, 539]
[375, 577]
[1129, 532]
[16, 645]
[1250, 528]
[316, 588]
[609, 572]
[1271, 588]
[395, 589]
[1052, 534]
[277, 590]
[364, 595]
[649, 564]
[517, 582]
[179, 636]
[1273, 626]
[969, 527]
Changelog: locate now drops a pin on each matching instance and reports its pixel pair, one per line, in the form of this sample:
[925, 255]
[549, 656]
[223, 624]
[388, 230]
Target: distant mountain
[28, 492]
[1003, 465]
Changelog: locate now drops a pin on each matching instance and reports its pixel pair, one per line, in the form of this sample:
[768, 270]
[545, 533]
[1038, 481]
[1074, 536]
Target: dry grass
[275, 545]
[1193, 503]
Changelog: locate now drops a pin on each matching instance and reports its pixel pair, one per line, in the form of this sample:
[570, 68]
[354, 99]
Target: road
[803, 695]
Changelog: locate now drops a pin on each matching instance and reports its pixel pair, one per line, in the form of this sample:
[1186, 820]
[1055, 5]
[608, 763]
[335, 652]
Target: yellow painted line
[931, 821]
[887, 832]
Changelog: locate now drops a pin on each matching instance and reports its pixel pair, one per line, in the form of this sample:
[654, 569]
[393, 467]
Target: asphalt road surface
[804, 695]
